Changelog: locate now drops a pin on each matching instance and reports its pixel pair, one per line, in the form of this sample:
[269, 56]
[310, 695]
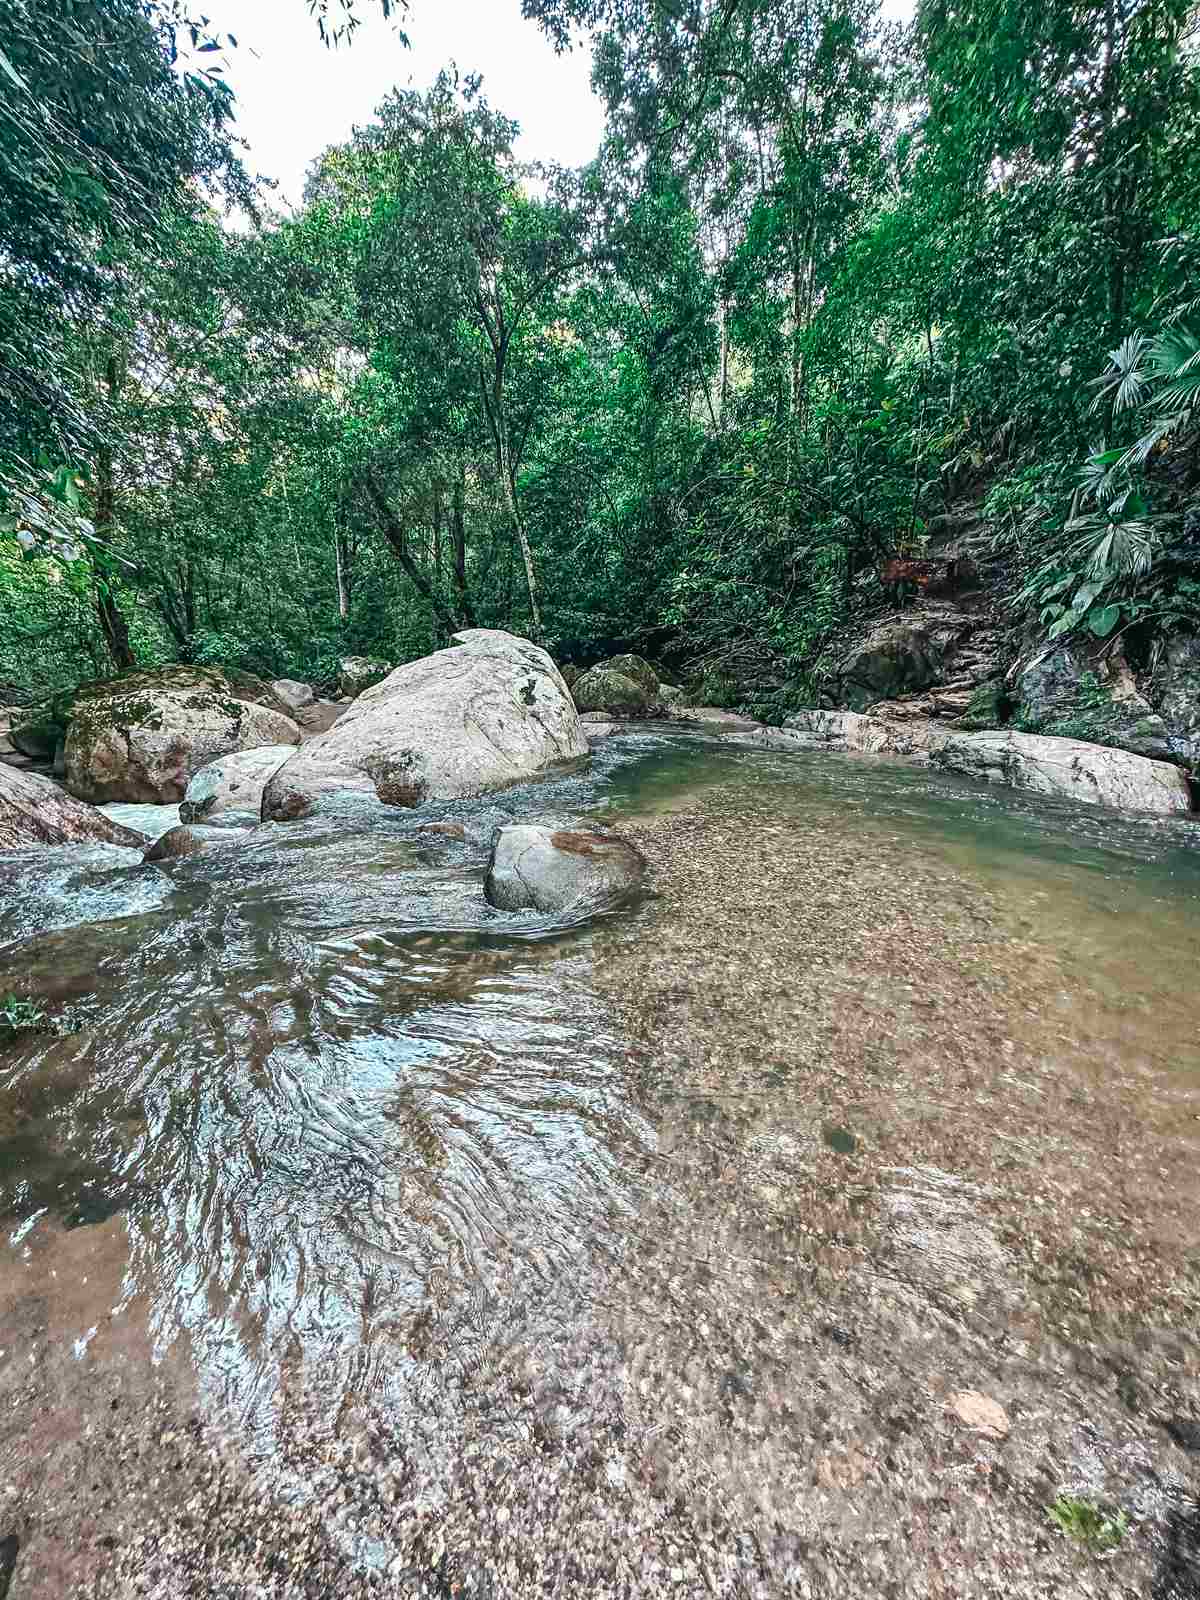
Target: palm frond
[1108, 549]
[1125, 380]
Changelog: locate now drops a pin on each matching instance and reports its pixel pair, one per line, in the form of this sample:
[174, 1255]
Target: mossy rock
[602, 689]
[637, 668]
[988, 707]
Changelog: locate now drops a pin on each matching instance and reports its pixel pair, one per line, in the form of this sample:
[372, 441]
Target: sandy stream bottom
[900, 1130]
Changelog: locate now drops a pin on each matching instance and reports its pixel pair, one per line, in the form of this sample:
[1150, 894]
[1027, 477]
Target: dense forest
[828, 282]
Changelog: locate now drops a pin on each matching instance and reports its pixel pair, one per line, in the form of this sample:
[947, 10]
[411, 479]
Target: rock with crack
[545, 869]
[35, 812]
[490, 712]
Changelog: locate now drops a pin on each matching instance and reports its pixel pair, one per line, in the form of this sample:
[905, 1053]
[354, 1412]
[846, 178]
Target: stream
[652, 1252]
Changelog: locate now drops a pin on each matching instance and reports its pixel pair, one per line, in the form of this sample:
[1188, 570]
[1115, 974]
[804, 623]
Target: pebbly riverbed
[812, 1227]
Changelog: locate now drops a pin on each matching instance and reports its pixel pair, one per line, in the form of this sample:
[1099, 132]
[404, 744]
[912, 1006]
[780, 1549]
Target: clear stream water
[316, 1077]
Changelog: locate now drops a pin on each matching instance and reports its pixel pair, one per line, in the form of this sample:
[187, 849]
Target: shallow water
[320, 1093]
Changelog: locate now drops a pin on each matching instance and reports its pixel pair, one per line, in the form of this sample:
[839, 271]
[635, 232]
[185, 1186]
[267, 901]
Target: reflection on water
[328, 1088]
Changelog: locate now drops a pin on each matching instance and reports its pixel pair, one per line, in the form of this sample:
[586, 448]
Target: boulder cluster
[234, 753]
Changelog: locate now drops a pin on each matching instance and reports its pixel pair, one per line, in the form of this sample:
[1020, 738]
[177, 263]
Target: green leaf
[1065, 623]
[1103, 619]
[11, 72]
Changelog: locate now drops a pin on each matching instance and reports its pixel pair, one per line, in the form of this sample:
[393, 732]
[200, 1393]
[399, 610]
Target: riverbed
[359, 1239]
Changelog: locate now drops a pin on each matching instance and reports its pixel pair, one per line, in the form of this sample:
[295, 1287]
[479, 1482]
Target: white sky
[295, 97]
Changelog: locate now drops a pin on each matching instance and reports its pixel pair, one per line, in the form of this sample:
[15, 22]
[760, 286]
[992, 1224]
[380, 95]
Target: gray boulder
[356, 673]
[1070, 768]
[487, 713]
[602, 689]
[896, 658]
[234, 783]
[35, 812]
[143, 738]
[294, 695]
[935, 645]
[549, 870]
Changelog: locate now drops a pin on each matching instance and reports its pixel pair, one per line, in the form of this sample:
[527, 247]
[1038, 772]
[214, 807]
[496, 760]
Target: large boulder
[1069, 692]
[559, 869]
[294, 696]
[234, 783]
[896, 658]
[932, 646]
[1071, 768]
[35, 812]
[603, 689]
[144, 737]
[487, 713]
[637, 668]
[357, 673]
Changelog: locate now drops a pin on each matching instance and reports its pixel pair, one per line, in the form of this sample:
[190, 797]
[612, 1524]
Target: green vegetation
[830, 291]
[1085, 1522]
[21, 1015]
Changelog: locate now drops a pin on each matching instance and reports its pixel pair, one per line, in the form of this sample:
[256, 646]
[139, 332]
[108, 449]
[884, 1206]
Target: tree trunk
[112, 624]
[458, 521]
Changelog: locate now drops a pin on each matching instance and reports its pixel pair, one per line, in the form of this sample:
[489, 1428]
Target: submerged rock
[546, 869]
[1077, 770]
[234, 783]
[489, 712]
[142, 738]
[35, 812]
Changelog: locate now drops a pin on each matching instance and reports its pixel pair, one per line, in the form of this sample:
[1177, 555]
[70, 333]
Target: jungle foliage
[827, 282]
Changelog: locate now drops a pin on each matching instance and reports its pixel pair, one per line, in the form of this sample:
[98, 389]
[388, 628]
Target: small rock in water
[547, 869]
[190, 839]
[449, 830]
[981, 1412]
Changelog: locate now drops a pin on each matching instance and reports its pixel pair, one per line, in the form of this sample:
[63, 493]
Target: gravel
[881, 1177]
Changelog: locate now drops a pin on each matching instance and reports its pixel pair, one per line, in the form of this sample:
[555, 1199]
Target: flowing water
[324, 1121]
